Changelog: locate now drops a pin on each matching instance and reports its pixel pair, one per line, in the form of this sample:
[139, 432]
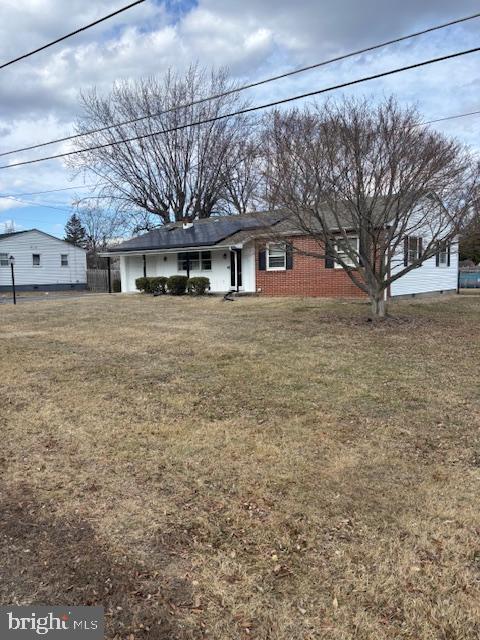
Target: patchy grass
[269, 469]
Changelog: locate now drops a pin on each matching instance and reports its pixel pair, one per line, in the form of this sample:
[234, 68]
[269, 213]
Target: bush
[155, 284]
[116, 286]
[198, 286]
[141, 284]
[158, 284]
[177, 285]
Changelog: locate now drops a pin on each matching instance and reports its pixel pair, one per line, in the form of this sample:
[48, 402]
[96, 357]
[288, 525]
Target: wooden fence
[97, 279]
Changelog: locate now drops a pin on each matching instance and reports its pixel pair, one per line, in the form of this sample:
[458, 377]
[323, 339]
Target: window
[414, 248]
[276, 257]
[206, 261]
[340, 248]
[443, 255]
[64, 259]
[4, 260]
[199, 260]
[36, 259]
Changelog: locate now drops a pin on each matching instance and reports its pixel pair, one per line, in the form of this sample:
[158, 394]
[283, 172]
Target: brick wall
[308, 276]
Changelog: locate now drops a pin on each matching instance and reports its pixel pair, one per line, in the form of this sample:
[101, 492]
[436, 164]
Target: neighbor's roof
[4, 236]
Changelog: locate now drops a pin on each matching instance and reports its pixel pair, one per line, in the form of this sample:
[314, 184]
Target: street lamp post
[12, 264]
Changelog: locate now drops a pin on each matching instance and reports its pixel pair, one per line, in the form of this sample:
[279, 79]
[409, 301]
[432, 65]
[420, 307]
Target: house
[237, 253]
[42, 262]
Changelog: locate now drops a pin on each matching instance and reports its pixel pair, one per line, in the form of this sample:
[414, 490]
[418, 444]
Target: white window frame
[282, 250]
[443, 253]
[410, 251]
[62, 256]
[4, 262]
[346, 259]
[37, 266]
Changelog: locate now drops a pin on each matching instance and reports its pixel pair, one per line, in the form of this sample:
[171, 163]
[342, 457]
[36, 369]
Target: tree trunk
[379, 307]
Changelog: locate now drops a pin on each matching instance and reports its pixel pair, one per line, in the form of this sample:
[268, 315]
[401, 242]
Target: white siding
[50, 271]
[427, 278]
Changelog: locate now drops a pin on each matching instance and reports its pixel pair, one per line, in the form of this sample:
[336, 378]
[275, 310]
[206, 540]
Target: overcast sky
[254, 38]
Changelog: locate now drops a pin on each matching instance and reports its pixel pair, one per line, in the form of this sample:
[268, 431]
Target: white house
[234, 253]
[42, 262]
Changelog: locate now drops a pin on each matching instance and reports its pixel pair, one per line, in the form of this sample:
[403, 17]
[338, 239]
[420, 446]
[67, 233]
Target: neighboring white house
[42, 262]
[234, 253]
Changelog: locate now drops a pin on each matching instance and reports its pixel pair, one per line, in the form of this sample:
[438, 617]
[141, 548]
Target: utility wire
[69, 35]
[38, 204]
[459, 115]
[38, 193]
[248, 86]
[267, 105]
[453, 117]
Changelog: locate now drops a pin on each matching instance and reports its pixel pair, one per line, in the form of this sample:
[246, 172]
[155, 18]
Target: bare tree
[178, 174]
[243, 177]
[101, 227]
[377, 191]
[470, 235]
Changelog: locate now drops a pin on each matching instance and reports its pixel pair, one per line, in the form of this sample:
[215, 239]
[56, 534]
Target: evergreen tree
[75, 231]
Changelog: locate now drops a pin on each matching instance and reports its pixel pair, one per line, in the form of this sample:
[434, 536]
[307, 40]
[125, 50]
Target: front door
[236, 269]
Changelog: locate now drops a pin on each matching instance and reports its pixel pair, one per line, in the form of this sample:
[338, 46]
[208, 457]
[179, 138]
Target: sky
[253, 38]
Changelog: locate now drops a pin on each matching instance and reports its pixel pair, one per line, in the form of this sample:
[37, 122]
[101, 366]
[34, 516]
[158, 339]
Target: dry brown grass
[268, 469]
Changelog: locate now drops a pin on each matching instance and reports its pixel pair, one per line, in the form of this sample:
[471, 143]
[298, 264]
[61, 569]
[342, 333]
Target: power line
[38, 193]
[267, 105]
[247, 86]
[38, 204]
[15, 196]
[459, 115]
[72, 33]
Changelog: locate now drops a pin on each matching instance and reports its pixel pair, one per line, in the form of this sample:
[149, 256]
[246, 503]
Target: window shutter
[420, 247]
[289, 256]
[405, 252]
[448, 254]
[262, 260]
[437, 255]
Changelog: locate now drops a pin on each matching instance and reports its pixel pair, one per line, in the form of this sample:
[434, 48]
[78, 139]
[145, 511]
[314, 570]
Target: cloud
[254, 38]
[6, 204]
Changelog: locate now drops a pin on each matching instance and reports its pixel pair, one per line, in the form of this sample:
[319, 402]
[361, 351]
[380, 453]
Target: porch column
[236, 269]
[144, 266]
[109, 274]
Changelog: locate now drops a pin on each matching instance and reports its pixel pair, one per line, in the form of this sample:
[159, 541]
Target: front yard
[269, 469]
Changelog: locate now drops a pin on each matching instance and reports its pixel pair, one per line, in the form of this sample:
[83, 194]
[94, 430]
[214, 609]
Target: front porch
[227, 267]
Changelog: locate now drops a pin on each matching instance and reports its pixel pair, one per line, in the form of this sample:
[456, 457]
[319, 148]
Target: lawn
[268, 468]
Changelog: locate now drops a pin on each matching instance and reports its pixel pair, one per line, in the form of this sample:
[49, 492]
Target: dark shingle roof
[204, 233]
[239, 228]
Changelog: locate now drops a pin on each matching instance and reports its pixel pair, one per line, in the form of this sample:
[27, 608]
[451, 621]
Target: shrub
[158, 284]
[177, 285]
[141, 284]
[155, 284]
[198, 286]
[116, 286]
